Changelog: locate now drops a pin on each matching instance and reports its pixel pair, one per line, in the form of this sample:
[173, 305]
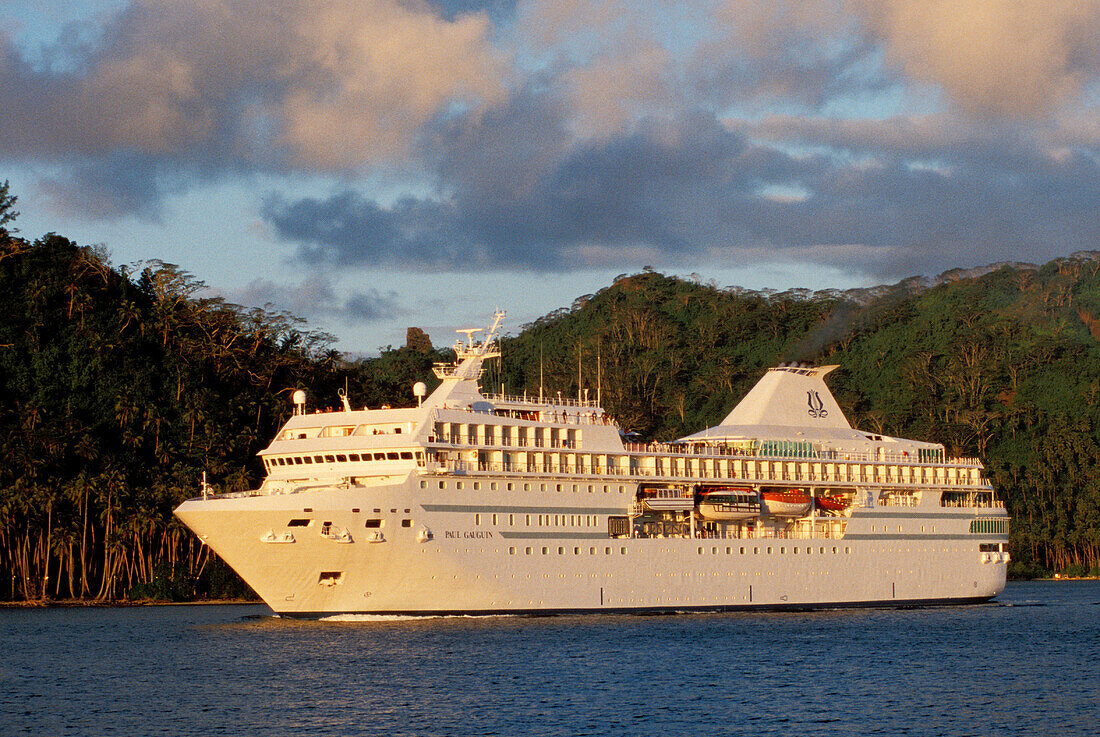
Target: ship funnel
[792, 395]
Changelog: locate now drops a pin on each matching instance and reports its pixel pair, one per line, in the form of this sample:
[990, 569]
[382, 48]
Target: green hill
[121, 387]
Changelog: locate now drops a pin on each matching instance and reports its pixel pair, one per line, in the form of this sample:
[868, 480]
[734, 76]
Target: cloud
[663, 186]
[251, 83]
[316, 296]
[888, 137]
[887, 198]
[1006, 58]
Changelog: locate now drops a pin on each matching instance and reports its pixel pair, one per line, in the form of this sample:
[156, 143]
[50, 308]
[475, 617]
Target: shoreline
[81, 603]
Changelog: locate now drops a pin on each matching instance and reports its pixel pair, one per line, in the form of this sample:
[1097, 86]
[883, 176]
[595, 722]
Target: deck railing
[797, 476]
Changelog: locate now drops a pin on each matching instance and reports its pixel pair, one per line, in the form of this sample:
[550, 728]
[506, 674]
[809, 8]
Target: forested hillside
[119, 390]
[1005, 366]
[122, 386]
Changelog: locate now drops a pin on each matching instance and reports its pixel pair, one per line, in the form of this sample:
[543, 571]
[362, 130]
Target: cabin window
[318, 459]
[527, 551]
[353, 457]
[442, 484]
[307, 459]
[509, 486]
[406, 455]
[545, 551]
[511, 519]
[561, 551]
[458, 484]
[373, 524]
[477, 519]
[492, 486]
[527, 487]
[379, 456]
[494, 519]
[511, 551]
[423, 484]
[477, 486]
[330, 578]
[392, 457]
[330, 459]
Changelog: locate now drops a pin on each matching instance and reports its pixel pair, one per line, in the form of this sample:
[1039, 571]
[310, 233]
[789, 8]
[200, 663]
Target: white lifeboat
[726, 503]
[667, 499]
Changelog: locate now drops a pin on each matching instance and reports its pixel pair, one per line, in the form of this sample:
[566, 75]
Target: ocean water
[1026, 664]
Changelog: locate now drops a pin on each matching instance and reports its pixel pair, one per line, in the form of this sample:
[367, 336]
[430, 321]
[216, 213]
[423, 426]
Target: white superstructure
[473, 503]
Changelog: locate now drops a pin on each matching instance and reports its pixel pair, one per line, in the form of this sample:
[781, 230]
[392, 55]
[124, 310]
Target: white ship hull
[482, 569]
[475, 504]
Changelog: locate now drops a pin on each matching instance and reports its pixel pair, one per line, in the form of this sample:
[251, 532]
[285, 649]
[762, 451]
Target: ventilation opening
[298, 523]
[330, 578]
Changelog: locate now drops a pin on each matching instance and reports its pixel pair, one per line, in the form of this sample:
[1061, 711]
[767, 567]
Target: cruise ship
[474, 503]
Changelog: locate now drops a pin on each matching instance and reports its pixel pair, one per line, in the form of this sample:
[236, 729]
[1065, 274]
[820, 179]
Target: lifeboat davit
[728, 503]
[785, 502]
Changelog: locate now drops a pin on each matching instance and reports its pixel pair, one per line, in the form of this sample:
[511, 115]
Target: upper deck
[787, 430]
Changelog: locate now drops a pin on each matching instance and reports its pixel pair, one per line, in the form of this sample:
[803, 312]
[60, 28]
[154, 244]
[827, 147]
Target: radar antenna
[479, 350]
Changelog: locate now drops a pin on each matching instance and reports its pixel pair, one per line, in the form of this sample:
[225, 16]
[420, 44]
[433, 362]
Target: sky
[370, 165]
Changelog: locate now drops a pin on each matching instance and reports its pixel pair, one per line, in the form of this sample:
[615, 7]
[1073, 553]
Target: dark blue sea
[1026, 664]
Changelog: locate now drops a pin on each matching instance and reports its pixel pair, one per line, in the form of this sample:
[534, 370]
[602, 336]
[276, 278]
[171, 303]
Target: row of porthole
[767, 550]
[511, 486]
[403, 455]
[886, 528]
[561, 551]
[543, 520]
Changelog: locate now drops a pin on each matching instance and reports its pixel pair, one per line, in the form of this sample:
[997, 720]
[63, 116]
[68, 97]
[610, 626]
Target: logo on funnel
[817, 407]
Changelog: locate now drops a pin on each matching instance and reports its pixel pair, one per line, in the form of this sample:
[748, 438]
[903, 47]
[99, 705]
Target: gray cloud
[556, 134]
[517, 192]
[189, 89]
[316, 296]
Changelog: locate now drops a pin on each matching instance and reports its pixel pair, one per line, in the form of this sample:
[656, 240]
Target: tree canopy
[123, 385]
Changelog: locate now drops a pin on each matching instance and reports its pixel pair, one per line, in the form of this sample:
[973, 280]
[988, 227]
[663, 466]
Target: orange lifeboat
[785, 502]
[831, 503]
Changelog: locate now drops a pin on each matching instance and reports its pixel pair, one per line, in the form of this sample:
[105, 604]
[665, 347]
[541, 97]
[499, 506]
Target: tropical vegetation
[123, 386]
